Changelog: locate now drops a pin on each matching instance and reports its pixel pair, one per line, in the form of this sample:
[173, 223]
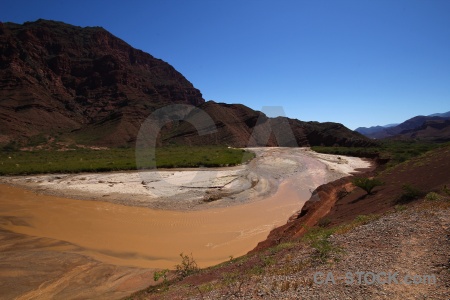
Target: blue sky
[360, 63]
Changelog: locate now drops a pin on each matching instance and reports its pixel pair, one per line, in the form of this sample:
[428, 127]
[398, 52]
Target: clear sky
[357, 62]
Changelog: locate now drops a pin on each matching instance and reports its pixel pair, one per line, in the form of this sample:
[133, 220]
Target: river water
[146, 238]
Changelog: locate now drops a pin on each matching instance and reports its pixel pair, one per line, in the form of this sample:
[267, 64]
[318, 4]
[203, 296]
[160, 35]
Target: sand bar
[201, 188]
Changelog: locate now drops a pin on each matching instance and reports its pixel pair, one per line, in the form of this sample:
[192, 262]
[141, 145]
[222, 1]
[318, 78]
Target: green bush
[400, 207]
[161, 274]
[324, 222]
[367, 184]
[432, 196]
[318, 239]
[446, 190]
[187, 266]
[409, 194]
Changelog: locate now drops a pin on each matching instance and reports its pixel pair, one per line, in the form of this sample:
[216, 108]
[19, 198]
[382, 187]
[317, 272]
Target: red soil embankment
[339, 201]
[319, 205]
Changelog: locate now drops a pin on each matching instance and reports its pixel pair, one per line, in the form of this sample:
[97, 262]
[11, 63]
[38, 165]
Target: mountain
[57, 78]
[444, 115]
[390, 125]
[69, 84]
[370, 131]
[240, 126]
[431, 130]
[414, 128]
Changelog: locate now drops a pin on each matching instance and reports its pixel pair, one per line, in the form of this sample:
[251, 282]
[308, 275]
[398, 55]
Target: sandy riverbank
[194, 189]
[55, 247]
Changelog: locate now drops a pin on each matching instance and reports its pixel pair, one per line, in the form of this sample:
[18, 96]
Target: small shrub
[446, 190]
[257, 270]
[433, 196]
[234, 282]
[205, 288]
[318, 239]
[161, 274]
[400, 207]
[342, 193]
[187, 266]
[363, 219]
[410, 193]
[281, 246]
[367, 184]
[324, 249]
[267, 261]
[324, 222]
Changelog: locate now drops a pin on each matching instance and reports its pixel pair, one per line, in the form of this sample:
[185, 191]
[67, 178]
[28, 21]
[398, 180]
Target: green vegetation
[393, 151]
[15, 162]
[446, 190]
[367, 184]
[317, 237]
[400, 207]
[282, 246]
[324, 222]
[438, 196]
[409, 194]
[233, 281]
[187, 266]
[349, 151]
[161, 274]
[272, 263]
[432, 196]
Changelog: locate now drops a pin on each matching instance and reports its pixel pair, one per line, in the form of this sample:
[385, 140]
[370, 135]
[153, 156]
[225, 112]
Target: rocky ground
[409, 250]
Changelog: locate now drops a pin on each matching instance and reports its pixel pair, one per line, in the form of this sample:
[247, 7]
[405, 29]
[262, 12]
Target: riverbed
[129, 223]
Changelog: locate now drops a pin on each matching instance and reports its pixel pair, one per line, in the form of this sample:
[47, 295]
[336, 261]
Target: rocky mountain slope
[432, 127]
[85, 86]
[434, 130]
[57, 78]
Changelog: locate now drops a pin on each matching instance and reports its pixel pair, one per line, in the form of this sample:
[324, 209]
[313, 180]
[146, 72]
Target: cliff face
[57, 78]
[86, 86]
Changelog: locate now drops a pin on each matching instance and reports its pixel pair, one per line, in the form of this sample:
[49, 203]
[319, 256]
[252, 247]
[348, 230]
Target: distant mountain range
[77, 85]
[444, 115]
[435, 127]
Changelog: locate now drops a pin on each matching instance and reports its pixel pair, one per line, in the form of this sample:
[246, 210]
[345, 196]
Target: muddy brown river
[146, 238]
[57, 248]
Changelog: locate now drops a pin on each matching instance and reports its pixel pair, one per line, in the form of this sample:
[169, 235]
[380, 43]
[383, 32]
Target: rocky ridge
[431, 128]
[85, 86]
